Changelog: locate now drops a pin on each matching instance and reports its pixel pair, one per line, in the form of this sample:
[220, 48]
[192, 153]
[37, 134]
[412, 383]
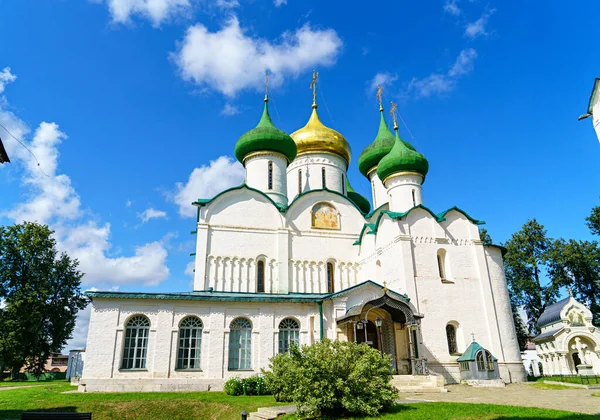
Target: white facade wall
[379, 194]
[596, 114]
[308, 167]
[404, 191]
[257, 174]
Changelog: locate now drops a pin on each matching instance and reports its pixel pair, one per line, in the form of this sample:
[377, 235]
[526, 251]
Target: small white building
[594, 107]
[75, 364]
[531, 360]
[569, 344]
[294, 254]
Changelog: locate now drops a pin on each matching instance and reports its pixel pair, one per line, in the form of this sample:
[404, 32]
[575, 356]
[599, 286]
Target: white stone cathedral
[294, 254]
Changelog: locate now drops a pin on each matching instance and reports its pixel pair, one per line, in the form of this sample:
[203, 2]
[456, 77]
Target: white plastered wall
[257, 175]
[378, 192]
[310, 167]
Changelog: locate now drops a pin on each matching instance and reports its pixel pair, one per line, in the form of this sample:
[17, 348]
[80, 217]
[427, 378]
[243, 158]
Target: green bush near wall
[45, 377]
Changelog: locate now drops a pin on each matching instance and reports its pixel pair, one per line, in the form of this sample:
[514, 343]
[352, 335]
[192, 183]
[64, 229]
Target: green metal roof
[401, 159]
[238, 296]
[265, 137]
[471, 352]
[360, 200]
[201, 202]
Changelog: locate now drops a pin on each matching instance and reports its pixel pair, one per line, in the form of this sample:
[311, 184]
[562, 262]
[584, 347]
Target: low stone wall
[150, 385]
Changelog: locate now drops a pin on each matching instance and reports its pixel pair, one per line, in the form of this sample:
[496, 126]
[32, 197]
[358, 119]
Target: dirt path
[576, 400]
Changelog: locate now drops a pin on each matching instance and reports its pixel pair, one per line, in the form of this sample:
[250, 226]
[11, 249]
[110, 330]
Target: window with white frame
[289, 332]
[190, 343]
[240, 344]
[135, 346]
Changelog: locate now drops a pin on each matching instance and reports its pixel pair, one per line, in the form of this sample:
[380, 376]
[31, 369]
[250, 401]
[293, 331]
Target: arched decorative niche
[325, 216]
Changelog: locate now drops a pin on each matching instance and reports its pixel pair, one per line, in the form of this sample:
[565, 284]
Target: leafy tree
[485, 237]
[593, 221]
[42, 295]
[525, 265]
[332, 378]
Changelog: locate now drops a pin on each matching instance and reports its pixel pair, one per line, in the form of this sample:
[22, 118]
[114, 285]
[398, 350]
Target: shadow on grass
[575, 416]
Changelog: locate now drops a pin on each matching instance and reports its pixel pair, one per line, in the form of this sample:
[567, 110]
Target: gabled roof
[471, 352]
[206, 295]
[201, 202]
[552, 313]
[3, 155]
[546, 335]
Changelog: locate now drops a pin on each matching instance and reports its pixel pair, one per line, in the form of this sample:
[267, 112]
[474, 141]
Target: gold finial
[393, 114]
[379, 96]
[569, 292]
[385, 289]
[313, 86]
[266, 87]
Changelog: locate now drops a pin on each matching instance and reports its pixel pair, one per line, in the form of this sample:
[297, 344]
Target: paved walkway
[575, 399]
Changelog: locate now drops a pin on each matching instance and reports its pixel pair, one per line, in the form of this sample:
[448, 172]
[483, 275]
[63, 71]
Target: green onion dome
[360, 200]
[381, 146]
[402, 159]
[265, 137]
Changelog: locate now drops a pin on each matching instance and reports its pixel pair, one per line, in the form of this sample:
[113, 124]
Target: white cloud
[382, 79]
[50, 198]
[230, 60]
[440, 83]
[156, 11]
[206, 182]
[128, 203]
[478, 28]
[151, 214]
[278, 3]
[80, 331]
[6, 77]
[189, 269]
[228, 4]
[451, 7]
[229, 110]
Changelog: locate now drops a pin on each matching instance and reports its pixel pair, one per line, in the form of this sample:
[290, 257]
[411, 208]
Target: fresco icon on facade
[576, 318]
[325, 216]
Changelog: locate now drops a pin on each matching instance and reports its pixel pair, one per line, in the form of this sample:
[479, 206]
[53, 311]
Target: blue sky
[132, 108]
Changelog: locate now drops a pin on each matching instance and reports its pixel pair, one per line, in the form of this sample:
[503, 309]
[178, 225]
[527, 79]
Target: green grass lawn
[216, 405]
[543, 385]
[30, 383]
[568, 379]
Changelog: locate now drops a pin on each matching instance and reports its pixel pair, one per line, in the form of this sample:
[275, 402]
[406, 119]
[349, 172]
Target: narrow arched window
[490, 361]
[441, 259]
[374, 195]
[343, 184]
[413, 197]
[135, 346]
[260, 276]
[289, 332]
[330, 279]
[270, 170]
[323, 179]
[189, 343]
[480, 358]
[240, 344]
[451, 337]
[299, 181]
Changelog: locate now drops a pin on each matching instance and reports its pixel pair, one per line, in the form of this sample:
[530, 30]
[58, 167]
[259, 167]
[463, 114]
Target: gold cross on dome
[393, 114]
[385, 289]
[379, 96]
[266, 86]
[313, 85]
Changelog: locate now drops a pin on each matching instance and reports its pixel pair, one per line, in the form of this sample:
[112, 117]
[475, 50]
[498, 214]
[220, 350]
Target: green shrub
[233, 387]
[332, 378]
[253, 385]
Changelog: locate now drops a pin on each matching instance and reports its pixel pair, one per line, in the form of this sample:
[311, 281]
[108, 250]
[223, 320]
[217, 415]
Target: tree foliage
[41, 293]
[485, 237]
[593, 220]
[526, 267]
[332, 378]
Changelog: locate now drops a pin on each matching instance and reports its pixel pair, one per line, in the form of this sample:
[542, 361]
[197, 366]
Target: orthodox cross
[266, 87]
[379, 97]
[313, 86]
[393, 114]
[473, 336]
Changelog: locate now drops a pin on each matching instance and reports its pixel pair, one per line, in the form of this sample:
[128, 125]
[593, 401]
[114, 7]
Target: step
[419, 390]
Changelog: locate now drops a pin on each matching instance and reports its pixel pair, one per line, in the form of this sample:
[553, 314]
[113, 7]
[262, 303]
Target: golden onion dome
[316, 137]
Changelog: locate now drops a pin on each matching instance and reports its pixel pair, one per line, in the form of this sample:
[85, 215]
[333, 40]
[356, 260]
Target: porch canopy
[397, 308]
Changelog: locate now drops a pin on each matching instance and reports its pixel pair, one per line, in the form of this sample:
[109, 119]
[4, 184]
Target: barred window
[190, 343]
[299, 181]
[270, 170]
[289, 332]
[451, 337]
[260, 276]
[240, 344]
[135, 346]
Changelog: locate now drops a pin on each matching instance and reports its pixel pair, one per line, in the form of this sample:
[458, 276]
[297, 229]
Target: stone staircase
[270, 413]
[418, 383]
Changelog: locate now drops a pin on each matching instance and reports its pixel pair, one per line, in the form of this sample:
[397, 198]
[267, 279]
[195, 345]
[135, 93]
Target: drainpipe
[320, 303]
